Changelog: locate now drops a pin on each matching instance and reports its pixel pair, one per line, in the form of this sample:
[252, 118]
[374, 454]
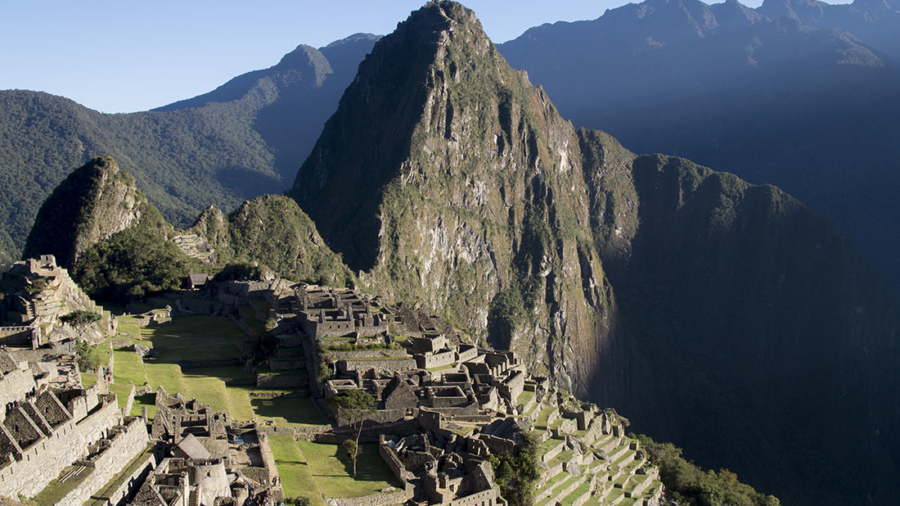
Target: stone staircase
[610, 470]
[194, 246]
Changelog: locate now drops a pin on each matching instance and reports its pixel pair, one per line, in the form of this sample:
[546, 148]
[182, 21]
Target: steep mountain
[875, 22]
[775, 95]
[721, 315]
[91, 204]
[118, 245]
[237, 142]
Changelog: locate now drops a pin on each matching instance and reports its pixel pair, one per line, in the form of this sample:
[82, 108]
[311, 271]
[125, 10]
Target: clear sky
[133, 55]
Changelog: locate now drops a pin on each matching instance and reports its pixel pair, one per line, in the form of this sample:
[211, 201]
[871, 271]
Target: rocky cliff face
[119, 245]
[91, 204]
[463, 189]
[271, 230]
[643, 282]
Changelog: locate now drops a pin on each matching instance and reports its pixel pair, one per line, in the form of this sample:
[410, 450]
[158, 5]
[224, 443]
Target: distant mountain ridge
[800, 94]
[724, 316]
[221, 148]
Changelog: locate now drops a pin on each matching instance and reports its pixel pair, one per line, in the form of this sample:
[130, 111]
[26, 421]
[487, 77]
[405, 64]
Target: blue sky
[130, 55]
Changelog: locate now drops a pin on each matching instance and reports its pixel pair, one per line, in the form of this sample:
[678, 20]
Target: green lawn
[442, 367]
[55, 491]
[198, 338]
[331, 470]
[194, 338]
[287, 410]
[296, 476]
[543, 417]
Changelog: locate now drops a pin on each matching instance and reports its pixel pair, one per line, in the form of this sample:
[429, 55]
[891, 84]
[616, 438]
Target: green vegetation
[517, 473]
[358, 347]
[89, 358]
[79, 318]
[37, 286]
[353, 406]
[135, 263]
[297, 477]
[213, 338]
[56, 489]
[240, 141]
[103, 497]
[331, 469]
[691, 486]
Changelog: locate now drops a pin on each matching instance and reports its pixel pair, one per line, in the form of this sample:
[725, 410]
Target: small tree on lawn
[353, 406]
[80, 319]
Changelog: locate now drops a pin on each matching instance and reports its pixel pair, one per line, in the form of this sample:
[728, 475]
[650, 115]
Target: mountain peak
[94, 202]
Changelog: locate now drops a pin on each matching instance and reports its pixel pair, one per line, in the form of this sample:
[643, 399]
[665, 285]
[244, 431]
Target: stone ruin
[206, 458]
[49, 435]
[37, 292]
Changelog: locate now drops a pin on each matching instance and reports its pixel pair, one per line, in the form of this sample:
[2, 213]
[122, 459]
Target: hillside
[118, 245]
[220, 148]
[730, 317]
[799, 94]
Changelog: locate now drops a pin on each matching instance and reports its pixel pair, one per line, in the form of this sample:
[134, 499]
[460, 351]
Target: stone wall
[243, 326]
[466, 352]
[304, 433]
[200, 306]
[287, 365]
[484, 498]
[380, 416]
[130, 484]
[342, 355]
[513, 386]
[28, 470]
[31, 470]
[398, 496]
[425, 361]
[390, 458]
[199, 364]
[123, 447]
[13, 386]
[282, 380]
[346, 366]
[16, 336]
[130, 402]
[498, 444]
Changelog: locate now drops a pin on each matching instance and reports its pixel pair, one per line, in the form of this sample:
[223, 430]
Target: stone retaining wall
[13, 386]
[123, 448]
[341, 355]
[199, 364]
[347, 366]
[130, 484]
[435, 360]
[399, 496]
[126, 411]
[282, 380]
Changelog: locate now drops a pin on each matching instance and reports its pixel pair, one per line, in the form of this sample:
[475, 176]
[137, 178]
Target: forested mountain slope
[801, 94]
[237, 142]
[724, 316]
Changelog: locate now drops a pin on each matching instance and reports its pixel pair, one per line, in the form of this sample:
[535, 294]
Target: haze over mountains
[720, 315]
[724, 316]
[241, 140]
[800, 94]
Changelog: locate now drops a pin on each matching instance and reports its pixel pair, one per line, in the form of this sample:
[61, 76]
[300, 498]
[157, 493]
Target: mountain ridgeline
[723, 316]
[796, 93]
[118, 246]
[242, 140]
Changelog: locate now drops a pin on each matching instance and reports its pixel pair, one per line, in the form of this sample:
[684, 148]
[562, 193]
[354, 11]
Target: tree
[80, 318]
[516, 473]
[353, 406]
[88, 359]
